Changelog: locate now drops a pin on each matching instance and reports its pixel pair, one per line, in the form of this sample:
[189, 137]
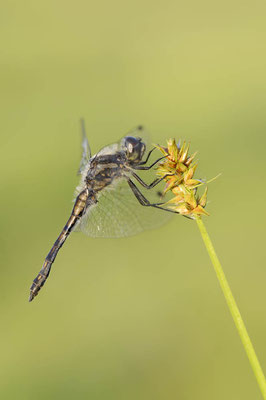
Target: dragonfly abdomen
[83, 200]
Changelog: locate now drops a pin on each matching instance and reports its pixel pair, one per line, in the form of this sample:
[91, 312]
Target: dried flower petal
[203, 199]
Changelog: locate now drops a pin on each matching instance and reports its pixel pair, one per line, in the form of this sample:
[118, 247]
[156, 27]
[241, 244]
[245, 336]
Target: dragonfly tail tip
[31, 297]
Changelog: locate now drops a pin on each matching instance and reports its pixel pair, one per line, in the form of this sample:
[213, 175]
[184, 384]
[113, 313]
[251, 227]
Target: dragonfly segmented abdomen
[77, 212]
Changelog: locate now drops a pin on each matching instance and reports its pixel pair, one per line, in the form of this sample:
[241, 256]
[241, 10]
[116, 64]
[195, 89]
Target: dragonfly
[108, 200]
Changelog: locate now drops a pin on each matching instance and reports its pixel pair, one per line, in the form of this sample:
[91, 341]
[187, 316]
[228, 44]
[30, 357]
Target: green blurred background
[141, 317]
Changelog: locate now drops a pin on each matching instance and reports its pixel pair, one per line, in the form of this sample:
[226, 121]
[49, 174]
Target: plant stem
[254, 362]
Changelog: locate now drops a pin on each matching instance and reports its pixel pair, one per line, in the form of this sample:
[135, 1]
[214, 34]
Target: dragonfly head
[134, 148]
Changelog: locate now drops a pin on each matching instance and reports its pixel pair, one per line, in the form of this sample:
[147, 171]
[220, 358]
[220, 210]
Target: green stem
[254, 362]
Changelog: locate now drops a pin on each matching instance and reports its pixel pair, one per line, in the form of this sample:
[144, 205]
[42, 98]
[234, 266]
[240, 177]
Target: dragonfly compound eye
[134, 148]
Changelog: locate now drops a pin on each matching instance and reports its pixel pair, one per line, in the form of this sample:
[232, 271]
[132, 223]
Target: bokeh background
[140, 317]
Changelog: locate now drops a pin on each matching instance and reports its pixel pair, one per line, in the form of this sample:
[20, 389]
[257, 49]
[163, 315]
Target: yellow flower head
[178, 169]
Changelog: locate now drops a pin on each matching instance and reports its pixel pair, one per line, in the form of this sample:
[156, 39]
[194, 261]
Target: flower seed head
[180, 180]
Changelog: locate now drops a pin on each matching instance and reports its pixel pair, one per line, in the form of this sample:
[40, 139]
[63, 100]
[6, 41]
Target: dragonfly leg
[148, 156]
[145, 168]
[79, 208]
[145, 202]
[151, 185]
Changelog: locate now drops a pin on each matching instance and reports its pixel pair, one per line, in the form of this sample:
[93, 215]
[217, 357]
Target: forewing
[86, 151]
[118, 213]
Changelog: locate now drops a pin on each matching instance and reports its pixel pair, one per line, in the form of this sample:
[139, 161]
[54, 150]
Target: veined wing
[118, 213]
[86, 151]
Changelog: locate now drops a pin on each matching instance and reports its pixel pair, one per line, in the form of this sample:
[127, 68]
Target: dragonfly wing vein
[118, 214]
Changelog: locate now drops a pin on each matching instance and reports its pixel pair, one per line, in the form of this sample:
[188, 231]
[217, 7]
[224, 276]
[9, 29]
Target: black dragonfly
[104, 202]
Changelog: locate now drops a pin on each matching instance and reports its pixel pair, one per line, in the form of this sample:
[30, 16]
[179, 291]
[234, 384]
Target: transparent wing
[86, 151]
[118, 213]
